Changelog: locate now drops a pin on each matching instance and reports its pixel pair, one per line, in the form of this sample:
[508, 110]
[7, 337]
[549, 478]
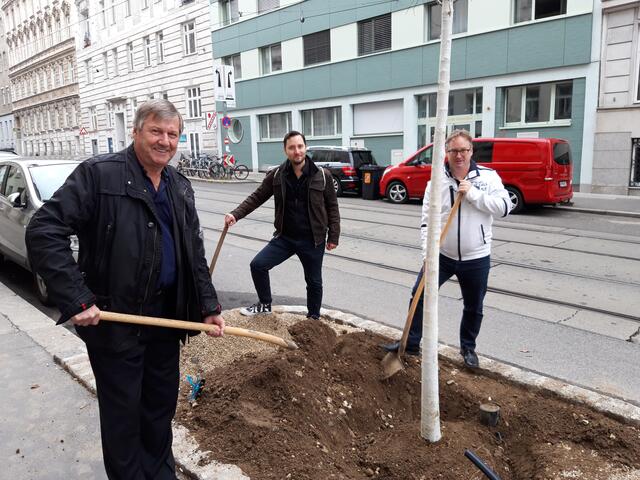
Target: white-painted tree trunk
[430, 411]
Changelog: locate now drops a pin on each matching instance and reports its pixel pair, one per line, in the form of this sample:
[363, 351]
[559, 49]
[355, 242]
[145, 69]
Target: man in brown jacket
[306, 218]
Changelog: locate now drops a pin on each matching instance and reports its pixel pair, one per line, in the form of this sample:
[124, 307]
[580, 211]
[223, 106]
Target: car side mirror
[16, 200]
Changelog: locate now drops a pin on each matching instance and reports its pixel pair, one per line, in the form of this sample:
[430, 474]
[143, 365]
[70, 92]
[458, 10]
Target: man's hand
[465, 186]
[91, 316]
[229, 220]
[215, 320]
[331, 246]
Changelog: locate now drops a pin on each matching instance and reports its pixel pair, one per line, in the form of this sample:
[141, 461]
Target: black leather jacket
[106, 204]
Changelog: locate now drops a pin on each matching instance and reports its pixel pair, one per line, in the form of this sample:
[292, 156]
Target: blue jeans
[472, 276]
[277, 251]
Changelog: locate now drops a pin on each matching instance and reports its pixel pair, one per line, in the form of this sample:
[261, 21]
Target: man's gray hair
[459, 133]
[160, 108]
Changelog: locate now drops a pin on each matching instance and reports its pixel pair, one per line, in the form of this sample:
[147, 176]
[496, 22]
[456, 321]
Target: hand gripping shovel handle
[218, 247]
[204, 327]
[416, 297]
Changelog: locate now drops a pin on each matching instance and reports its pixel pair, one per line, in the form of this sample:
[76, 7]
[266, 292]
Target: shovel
[184, 325]
[392, 361]
[218, 247]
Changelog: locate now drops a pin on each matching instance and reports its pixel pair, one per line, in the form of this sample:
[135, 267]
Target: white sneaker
[256, 309]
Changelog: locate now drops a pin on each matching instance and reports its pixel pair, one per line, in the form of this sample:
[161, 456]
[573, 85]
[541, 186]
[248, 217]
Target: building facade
[133, 51]
[348, 73]
[616, 160]
[40, 38]
[7, 139]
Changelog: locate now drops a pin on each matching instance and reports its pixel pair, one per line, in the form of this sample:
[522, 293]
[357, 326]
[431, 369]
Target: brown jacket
[324, 214]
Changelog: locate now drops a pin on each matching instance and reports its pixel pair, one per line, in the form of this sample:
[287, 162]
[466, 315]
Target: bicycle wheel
[241, 172]
[215, 170]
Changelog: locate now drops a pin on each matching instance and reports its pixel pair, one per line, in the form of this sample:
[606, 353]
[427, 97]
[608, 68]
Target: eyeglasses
[454, 151]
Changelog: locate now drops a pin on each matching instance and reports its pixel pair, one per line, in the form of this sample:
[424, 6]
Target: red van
[533, 170]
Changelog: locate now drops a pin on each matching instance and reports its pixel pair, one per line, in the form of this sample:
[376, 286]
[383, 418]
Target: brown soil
[323, 412]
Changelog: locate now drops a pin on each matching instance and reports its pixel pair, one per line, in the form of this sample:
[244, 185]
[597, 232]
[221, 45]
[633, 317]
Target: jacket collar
[473, 172]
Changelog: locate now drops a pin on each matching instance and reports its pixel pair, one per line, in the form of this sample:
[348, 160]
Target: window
[234, 60]
[147, 51]
[274, 126]
[542, 103]
[103, 14]
[60, 75]
[374, 35]
[159, 47]
[87, 67]
[130, 55]
[634, 181]
[322, 122]
[145, 4]
[526, 10]
[317, 47]
[194, 144]
[271, 58]
[189, 38]
[434, 13]
[194, 106]
[266, 5]
[93, 116]
[164, 95]
[105, 61]
[116, 71]
[461, 102]
[113, 12]
[127, 8]
[229, 11]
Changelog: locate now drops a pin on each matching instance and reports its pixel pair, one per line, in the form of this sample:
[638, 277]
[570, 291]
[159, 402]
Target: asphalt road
[565, 285]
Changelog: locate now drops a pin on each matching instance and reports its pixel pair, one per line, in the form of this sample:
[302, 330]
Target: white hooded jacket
[469, 236]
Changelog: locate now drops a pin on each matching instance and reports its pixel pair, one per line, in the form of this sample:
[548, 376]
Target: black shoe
[394, 347]
[256, 309]
[470, 358]
[313, 317]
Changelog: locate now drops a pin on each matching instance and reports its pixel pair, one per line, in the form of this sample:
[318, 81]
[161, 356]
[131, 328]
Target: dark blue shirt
[162, 202]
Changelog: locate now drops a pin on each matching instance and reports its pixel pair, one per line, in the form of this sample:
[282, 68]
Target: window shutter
[374, 34]
[265, 5]
[317, 47]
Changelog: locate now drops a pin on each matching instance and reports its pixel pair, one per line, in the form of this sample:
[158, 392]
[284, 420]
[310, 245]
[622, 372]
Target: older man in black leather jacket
[141, 252]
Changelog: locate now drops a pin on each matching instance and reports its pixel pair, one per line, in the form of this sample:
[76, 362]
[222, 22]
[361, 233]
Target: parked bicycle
[227, 168]
[196, 166]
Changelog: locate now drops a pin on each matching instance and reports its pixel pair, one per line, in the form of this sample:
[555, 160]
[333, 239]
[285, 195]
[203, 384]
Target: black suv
[344, 163]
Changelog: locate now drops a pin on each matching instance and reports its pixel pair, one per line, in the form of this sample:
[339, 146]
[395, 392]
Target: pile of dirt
[324, 411]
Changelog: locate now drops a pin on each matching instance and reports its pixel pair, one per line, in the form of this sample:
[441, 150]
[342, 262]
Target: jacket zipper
[153, 262]
[459, 227]
[482, 230]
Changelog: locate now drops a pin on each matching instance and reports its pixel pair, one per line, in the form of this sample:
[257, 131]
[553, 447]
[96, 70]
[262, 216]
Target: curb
[70, 353]
[596, 211]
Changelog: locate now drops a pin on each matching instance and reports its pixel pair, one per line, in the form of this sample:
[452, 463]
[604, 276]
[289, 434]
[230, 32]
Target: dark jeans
[472, 276]
[277, 251]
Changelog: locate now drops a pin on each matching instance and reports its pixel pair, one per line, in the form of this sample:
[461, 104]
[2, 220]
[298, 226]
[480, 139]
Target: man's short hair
[459, 133]
[160, 108]
[293, 133]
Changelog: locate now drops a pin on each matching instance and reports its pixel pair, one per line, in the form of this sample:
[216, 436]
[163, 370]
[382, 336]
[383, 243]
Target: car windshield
[48, 178]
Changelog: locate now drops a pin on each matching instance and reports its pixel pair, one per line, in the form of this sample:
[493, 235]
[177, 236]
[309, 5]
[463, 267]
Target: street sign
[211, 121]
[224, 84]
[226, 121]
[83, 131]
[226, 140]
[218, 82]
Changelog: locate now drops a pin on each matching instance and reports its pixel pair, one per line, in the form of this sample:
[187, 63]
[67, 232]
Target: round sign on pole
[226, 121]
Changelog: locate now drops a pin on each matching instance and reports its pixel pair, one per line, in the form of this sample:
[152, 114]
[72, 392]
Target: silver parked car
[25, 184]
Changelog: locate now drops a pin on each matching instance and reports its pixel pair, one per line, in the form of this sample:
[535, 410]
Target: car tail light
[349, 171]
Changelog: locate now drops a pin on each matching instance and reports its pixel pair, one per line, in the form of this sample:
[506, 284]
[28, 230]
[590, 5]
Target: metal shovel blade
[391, 364]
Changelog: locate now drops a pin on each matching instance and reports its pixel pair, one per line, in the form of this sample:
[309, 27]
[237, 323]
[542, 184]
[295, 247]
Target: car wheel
[397, 193]
[516, 199]
[337, 186]
[41, 290]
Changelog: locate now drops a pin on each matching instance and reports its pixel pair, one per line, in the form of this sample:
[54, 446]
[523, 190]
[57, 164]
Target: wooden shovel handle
[416, 297]
[218, 247]
[184, 325]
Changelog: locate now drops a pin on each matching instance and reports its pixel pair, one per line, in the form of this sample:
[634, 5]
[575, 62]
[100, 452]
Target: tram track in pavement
[501, 291]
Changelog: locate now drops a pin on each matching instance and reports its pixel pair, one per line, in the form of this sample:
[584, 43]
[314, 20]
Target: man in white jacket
[465, 251]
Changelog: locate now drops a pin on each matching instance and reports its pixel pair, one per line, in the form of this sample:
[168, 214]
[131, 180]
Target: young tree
[430, 411]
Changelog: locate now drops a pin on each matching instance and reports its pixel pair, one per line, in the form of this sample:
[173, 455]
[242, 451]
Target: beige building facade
[616, 159]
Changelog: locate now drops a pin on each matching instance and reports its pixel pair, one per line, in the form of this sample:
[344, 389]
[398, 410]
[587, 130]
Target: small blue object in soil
[197, 385]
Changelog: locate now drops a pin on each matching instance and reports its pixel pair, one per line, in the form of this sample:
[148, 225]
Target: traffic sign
[211, 121]
[226, 121]
[83, 131]
[226, 140]
[224, 84]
